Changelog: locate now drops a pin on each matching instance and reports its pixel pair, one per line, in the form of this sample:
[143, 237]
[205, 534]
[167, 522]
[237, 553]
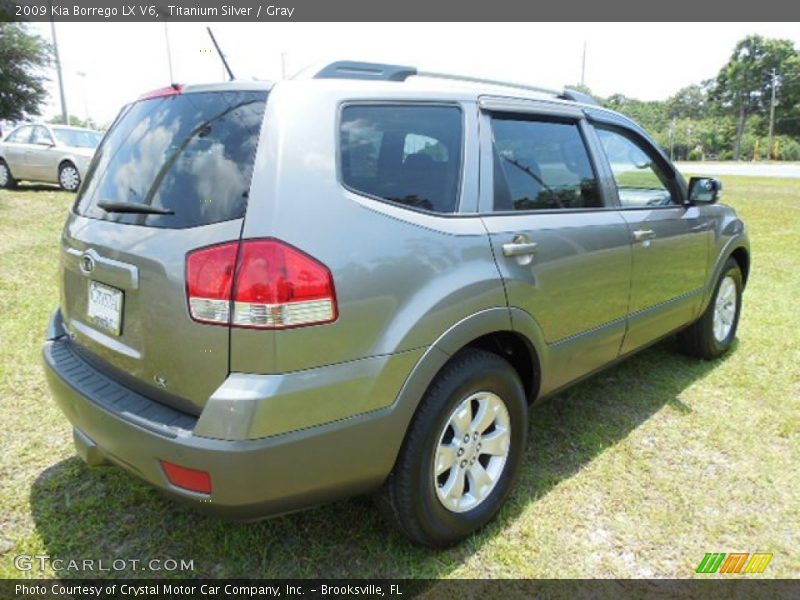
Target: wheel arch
[742, 257]
[496, 330]
[515, 348]
[12, 179]
[65, 160]
[736, 248]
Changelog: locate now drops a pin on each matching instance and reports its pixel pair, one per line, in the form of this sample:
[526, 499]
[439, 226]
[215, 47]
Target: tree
[744, 84]
[690, 102]
[787, 111]
[581, 88]
[74, 121]
[651, 115]
[23, 57]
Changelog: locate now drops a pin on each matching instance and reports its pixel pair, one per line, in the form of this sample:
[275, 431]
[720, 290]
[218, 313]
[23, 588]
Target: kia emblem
[87, 264]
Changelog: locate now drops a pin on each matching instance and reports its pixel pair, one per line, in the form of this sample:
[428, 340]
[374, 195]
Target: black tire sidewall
[437, 522]
[10, 180]
[731, 269]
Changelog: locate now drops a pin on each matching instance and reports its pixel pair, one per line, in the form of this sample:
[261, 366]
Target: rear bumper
[250, 478]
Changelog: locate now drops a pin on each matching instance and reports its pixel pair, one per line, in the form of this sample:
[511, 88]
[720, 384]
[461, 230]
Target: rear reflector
[188, 479]
[270, 284]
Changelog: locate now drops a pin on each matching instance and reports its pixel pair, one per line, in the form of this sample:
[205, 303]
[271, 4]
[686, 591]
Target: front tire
[713, 333]
[7, 181]
[68, 177]
[462, 451]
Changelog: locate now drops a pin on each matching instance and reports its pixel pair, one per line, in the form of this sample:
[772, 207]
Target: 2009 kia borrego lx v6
[358, 281]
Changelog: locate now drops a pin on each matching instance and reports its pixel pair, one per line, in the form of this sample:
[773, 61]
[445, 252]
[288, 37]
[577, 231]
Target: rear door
[124, 287]
[562, 248]
[671, 239]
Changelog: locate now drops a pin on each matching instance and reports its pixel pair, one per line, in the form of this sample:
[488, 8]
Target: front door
[670, 238]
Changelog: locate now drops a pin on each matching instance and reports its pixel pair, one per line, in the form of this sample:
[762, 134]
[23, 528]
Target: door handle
[519, 248]
[641, 235]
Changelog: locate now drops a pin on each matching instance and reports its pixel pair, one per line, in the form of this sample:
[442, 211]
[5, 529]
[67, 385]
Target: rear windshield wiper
[134, 207]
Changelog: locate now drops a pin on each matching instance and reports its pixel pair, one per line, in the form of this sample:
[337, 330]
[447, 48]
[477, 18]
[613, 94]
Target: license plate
[105, 307]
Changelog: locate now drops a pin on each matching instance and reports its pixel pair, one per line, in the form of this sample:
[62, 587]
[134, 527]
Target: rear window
[191, 153]
[410, 155]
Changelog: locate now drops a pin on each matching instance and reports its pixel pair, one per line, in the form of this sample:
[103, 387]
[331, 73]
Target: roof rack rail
[576, 96]
[508, 84]
[347, 69]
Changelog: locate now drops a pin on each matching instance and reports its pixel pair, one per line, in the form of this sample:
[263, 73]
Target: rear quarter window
[191, 153]
[408, 155]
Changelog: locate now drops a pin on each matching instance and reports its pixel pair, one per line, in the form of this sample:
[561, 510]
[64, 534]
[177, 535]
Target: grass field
[637, 472]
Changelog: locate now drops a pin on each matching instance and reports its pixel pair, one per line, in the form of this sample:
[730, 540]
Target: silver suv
[276, 295]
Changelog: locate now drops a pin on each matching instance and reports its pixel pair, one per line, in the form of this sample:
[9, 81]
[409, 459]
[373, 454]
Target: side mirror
[704, 190]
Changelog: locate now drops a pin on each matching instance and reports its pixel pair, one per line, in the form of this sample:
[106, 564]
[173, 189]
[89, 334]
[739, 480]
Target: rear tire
[713, 333]
[68, 177]
[477, 392]
[7, 181]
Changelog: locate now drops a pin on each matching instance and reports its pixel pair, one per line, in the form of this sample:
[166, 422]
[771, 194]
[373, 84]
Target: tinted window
[405, 154]
[77, 138]
[191, 153]
[639, 178]
[541, 165]
[21, 135]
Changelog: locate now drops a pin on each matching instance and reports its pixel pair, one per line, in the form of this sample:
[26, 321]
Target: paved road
[791, 170]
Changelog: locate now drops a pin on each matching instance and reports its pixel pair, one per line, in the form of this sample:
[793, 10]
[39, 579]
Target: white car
[47, 153]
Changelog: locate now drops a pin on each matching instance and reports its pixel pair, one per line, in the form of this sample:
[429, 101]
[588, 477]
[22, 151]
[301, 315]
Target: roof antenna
[221, 55]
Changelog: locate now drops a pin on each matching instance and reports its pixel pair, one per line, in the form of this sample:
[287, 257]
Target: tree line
[728, 117]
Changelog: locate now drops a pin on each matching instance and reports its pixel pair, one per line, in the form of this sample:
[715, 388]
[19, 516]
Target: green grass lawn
[637, 472]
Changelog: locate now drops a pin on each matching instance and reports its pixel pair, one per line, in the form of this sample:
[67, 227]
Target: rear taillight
[209, 281]
[270, 284]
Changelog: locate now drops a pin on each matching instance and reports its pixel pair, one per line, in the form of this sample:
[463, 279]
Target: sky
[106, 65]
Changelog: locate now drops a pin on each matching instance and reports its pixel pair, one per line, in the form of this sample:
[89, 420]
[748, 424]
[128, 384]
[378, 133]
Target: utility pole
[672, 137]
[83, 76]
[771, 115]
[64, 113]
[583, 65]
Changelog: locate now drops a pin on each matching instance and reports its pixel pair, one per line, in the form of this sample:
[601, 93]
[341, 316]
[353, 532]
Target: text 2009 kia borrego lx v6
[273, 296]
